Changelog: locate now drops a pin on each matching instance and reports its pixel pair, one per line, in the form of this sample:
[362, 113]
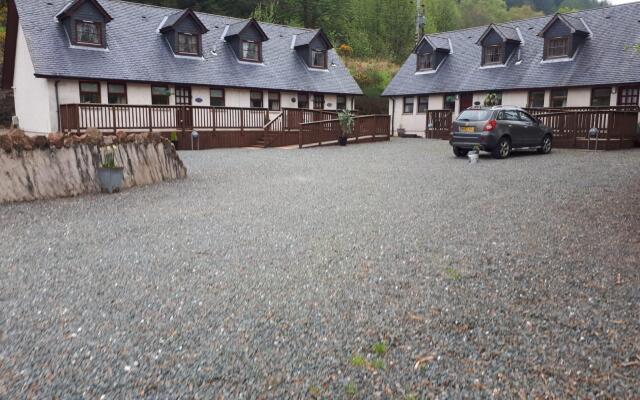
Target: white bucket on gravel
[473, 157]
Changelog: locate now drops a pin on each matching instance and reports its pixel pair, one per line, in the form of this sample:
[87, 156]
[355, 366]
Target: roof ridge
[635, 3]
[210, 14]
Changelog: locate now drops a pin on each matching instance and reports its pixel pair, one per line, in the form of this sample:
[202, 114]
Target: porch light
[614, 90]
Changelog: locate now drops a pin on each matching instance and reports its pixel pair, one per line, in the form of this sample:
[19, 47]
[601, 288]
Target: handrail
[337, 120]
[270, 123]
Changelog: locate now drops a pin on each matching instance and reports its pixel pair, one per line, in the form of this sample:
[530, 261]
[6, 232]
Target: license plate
[467, 129]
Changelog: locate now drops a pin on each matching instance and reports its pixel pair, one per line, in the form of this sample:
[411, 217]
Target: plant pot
[110, 179]
[342, 140]
[473, 157]
[401, 132]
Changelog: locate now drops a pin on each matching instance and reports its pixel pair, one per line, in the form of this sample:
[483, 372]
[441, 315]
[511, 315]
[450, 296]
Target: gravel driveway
[388, 270]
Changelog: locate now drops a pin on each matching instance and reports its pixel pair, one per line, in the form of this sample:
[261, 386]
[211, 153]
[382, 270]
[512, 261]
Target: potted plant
[110, 176]
[474, 155]
[347, 122]
[173, 137]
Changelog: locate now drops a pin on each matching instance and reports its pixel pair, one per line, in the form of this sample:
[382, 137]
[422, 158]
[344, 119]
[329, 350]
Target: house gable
[315, 41]
[570, 29]
[184, 23]
[434, 48]
[503, 38]
[84, 11]
[246, 32]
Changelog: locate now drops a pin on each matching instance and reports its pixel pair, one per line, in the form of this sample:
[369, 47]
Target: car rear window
[475, 115]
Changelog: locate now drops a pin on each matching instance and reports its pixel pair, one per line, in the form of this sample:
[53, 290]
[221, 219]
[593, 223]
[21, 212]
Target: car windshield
[475, 115]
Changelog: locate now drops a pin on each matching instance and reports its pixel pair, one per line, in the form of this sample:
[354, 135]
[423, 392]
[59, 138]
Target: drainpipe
[393, 114]
[57, 104]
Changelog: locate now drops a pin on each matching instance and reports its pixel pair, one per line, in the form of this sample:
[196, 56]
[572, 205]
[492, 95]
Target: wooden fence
[368, 128]
[617, 126]
[110, 117]
[284, 128]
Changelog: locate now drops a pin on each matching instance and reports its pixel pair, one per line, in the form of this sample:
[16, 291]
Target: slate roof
[137, 52]
[602, 60]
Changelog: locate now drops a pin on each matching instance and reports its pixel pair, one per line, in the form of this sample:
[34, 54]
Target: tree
[442, 16]
[483, 12]
[523, 12]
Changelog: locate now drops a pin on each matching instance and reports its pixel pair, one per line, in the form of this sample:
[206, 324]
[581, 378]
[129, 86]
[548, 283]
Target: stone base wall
[57, 166]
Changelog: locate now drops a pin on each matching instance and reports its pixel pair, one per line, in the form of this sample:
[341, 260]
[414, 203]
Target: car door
[532, 132]
[511, 124]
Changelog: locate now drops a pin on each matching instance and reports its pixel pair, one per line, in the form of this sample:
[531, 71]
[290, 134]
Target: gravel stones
[266, 272]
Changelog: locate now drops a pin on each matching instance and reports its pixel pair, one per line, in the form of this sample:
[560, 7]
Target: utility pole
[420, 20]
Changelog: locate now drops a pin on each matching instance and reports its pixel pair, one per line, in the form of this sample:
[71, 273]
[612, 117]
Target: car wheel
[503, 150]
[460, 152]
[545, 147]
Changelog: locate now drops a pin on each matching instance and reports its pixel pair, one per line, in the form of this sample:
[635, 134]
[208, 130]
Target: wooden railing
[366, 128]
[438, 124]
[79, 117]
[538, 110]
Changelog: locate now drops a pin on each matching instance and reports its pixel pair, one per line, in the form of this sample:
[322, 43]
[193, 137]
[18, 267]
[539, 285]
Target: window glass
[90, 92]
[187, 44]
[319, 58]
[601, 97]
[475, 115]
[251, 51]
[88, 33]
[117, 93]
[450, 102]
[160, 95]
[526, 117]
[558, 47]
[303, 100]
[318, 102]
[216, 97]
[408, 105]
[423, 104]
[508, 115]
[341, 103]
[559, 98]
[424, 61]
[256, 99]
[493, 54]
[536, 99]
[274, 101]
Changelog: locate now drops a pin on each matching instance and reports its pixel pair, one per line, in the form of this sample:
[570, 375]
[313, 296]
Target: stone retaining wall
[42, 167]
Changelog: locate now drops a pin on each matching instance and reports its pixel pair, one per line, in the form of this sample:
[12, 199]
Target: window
[601, 97]
[303, 100]
[407, 106]
[508, 115]
[628, 96]
[160, 95]
[188, 44]
[90, 92]
[424, 62]
[527, 118]
[216, 97]
[449, 102]
[423, 104]
[558, 47]
[274, 101]
[536, 99]
[475, 115]
[493, 54]
[558, 98]
[318, 102]
[341, 102]
[256, 99]
[117, 93]
[318, 58]
[251, 51]
[89, 33]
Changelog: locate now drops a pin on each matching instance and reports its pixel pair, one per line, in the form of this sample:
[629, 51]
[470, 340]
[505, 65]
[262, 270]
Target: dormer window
[188, 44]
[424, 62]
[558, 47]
[493, 54]
[319, 58]
[251, 51]
[183, 32]
[85, 22]
[89, 33]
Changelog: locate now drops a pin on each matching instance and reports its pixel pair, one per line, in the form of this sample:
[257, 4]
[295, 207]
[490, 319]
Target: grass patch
[379, 348]
[351, 389]
[358, 361]
[377, 363]
[453, 274]
[314, 391]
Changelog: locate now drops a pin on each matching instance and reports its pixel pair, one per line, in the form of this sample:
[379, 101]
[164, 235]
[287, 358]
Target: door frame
[184, 113]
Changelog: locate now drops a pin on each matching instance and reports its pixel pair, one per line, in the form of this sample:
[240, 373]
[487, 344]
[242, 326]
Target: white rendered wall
[517, 98]
[31, 94]
[579, 97]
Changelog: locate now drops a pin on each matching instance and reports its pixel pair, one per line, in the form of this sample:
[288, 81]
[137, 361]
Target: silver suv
[499, 130]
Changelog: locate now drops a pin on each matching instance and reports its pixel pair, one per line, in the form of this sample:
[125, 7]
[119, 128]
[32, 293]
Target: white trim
[493, 66]
[80, 47]
[587, 26]
[520, 36]
[187, 57]
[562, 59]
[164, 19]
[450, 46]
[293, 41]
[250, 62]
[224, 32]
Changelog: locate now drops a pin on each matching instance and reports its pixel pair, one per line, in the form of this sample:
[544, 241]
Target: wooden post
[242, 121]
[300, 137]
[150, 117]
[575, 128]
[214, 120]
[115, 125]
